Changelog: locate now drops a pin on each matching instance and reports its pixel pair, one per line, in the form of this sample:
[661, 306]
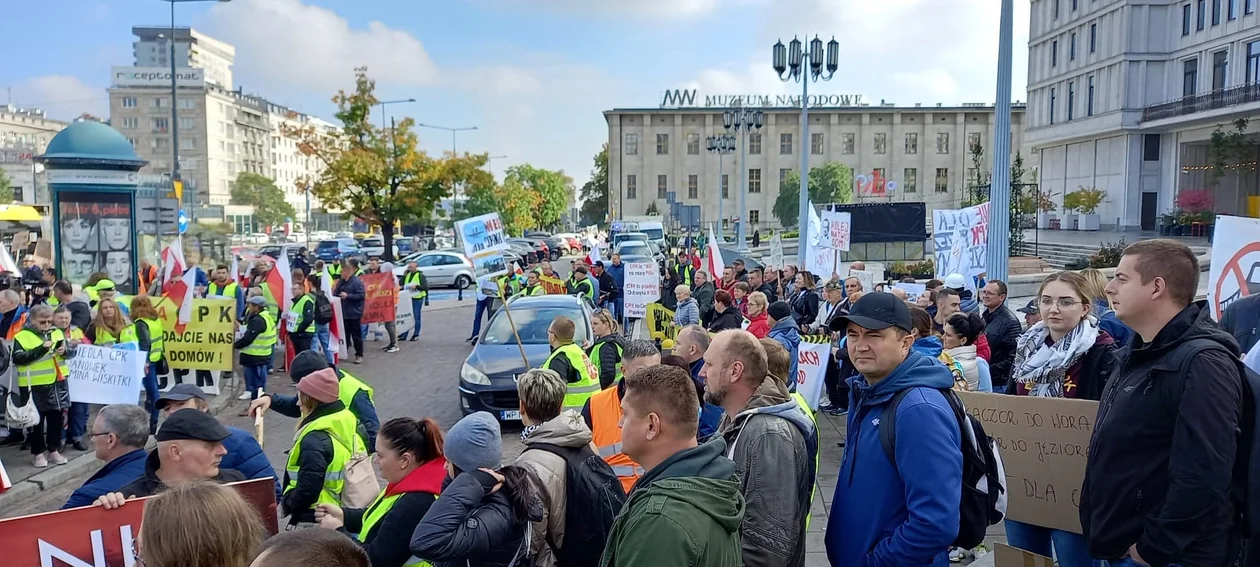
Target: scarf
[1042, 368]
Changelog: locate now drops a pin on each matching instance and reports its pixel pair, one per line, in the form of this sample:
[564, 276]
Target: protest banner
[404, 318]
[837, 230]
[642, 287]
[660, 322]
[1235, 271]
[105, 375]
[206, 342]
[1044, 443]
[820, 258]
[380, 297]
[811, 367]
[553, 286]
[484, 241]
[867, 278]
[913, 290]
[776, 251]
[961, 240]
[95, 537]
[1007, 556]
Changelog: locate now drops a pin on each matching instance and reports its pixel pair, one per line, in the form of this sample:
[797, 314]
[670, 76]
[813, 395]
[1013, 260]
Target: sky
[533, 76]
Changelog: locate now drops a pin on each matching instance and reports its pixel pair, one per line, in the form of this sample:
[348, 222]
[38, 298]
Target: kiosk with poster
[91, 171]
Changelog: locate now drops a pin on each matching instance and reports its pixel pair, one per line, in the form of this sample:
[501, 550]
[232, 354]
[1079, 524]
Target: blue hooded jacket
[930, 346]
[618, 273]
[785, 332]
[246, 456]
[908, 514]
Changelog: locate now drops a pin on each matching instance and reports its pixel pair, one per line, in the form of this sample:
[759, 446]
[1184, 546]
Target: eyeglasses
[99, 434]
[1063, 302]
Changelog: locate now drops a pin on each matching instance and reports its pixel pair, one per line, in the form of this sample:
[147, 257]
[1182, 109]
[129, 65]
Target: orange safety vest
[605, 415]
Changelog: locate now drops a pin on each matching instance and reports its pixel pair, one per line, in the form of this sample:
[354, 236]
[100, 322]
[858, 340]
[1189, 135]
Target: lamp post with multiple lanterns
[720, 145]
[743, 121]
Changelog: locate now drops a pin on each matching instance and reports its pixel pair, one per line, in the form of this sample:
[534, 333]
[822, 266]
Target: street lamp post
[454, 133]
[383, 103]
[720, 145]
[998, 254]
[490, 163]
[801, 66]
[744, 121]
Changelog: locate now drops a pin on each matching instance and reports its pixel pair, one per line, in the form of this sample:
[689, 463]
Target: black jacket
[255, 326]
[388, 543]
[729, 319]
[1241, 319]
[607, 286]
[468, 526]
[1003, 330]
[771, 294]
[609, 357]
[352, 303]
[149, 484]
[1161, 458]
[80, 313]
[805, 307]
[316, 453]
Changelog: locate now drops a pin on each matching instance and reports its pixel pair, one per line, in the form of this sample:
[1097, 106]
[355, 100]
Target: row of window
[1199, 9]
[1093, 45]
[155, 124]
[909, 182]
[159, 102]
[1071, 99]
[848, 142]
[1220, 70]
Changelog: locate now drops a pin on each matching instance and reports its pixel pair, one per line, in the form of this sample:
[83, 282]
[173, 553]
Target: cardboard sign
[811, 367]
[913, 290]
[404, 318]
[105, 375]
[837, 230]
[97, 537]
[820, 258]
[867, 278]
[660, 322]
[642, 287]
[961, 239]
[553, 286]
[1007, 556]
[206, 342]
[1044, 443]
[1235, 271]
[776, 252]
[380, 297]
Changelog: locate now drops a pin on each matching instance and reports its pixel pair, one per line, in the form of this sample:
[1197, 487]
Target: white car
[441, 267]
[375, 246]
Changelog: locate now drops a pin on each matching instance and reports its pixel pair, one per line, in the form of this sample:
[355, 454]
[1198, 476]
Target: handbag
[19, 416]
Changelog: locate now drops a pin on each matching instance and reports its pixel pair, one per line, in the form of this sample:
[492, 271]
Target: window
[159, 144]
[754, 216]
[754, 144]
[1074, 5]
[1089, 102]
[1249, 6]
[910, 180]
[1216, 12]
[973, 175]
[662, 144]
[942, 180]
[973, 140]
[1071, 102]
[130, 123]
[942, 143]
[133, 142]
[783, 174]
[159, 102]
[726, 186]
[1072, 47]
[159, 124]
[846, 143]
[187, 123]
[816, 144]
[693, 186]
[632, 186]
[1189, 77]
[1054, 53]
[1053, 99]
[1232, 9]
[187, 144]
[881, 143]
[1185, 20]
[785, 144]
[1253, 62]
[1093, 38]
[662, 186]
[1054, 7]
[912, 143]
[1150, 147]
[693, 144]
[1220, 62]
[1201, 15]
[129, 102]
[754, 181]
[632, 144]
[187, 103]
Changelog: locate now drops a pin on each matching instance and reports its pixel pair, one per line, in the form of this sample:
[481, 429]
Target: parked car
[575, 242]
[559, 246]
[629, 236]
[442, 269]
[524, 250]
[375, 246]
[273, 250]
[539, 247]
[487, 380]
[338, 249]
[634, 249]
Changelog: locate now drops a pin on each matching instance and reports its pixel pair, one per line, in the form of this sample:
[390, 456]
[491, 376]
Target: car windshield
[655, 233]
[532, 325]
[634, 248]
[328, 244]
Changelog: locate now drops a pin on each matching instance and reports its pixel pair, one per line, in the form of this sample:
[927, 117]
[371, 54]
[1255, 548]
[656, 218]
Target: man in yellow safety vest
[571, 363]
[257, 346]
[413, 280]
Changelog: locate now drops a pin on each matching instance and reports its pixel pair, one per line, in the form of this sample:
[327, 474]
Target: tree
[828, 183]
[270, 208]
[380, 174]
[6, 189]
[595, 192]
[552, 187]
[979, 183]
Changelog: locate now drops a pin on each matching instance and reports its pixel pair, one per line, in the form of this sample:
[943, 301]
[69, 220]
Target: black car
[538, 246]
[524, 250]
[558, 246]
[487, 380]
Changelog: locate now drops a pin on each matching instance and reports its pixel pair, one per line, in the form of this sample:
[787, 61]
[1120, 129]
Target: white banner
[820, 258]
[866, 277]
[837, 230]
[337, 330]
[643, 286]
[913, 290]
[961, 240]
[776, 251]
[104, 375]
[1235, 271]
[811, 368]
[404, 318]
[484, 241]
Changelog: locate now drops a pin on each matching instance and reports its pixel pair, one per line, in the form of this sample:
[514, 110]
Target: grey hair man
[602, 412]
[119, 434]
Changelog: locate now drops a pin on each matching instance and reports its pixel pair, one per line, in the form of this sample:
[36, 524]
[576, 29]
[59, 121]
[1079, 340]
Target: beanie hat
[474, 442]
[779, 310]
[306, 362]
[320, 385]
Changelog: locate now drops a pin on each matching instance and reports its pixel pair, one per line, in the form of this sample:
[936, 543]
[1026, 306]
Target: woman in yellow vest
[41, 380]
[409, 453]
[609, 344]
[327, 436]
[110, 327]
[149, 330]
[77, 419]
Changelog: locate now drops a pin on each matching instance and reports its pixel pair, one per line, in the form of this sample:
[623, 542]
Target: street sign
[183, 222]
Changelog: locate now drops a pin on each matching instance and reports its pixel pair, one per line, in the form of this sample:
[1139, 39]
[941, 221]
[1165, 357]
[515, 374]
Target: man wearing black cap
[244, 454]
[607, 285]
[899, 388]
[1032, 315]
[189, 448]
[355, 394]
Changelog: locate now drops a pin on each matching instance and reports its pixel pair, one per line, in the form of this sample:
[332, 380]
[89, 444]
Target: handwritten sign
[961, 240]
[867, 278]
[484, 241]
[1044, 443]
[660, 322]
[206, 342]
[643, 286]
[104, 375]
[380, 297]
[913, 290]
[404, 318]
[811, 367]
[776, 251]
[820, 258]
[837, 229]
[1007, 556]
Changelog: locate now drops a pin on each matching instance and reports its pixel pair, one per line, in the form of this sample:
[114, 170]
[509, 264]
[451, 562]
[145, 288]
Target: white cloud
[62, 97]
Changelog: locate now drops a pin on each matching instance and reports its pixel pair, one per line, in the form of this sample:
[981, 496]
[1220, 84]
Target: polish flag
[335, 327]
[173, 260]
[593, 255]
[6, 261]
[235, 271]
[180, 292]
[714, 264]
[280, 283]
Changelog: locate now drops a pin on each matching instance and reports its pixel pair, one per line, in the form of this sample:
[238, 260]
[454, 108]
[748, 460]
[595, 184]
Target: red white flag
[280, 283]
[593, 255]
[234, 272]
[173, 260]
[714, 263]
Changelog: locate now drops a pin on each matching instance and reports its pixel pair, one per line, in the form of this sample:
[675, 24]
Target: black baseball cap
[192, 424]
[875, 311]
[180, 393]
[1030, 308]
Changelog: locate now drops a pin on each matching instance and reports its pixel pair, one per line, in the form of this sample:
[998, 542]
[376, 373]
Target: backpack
[323, 309]
[594, 497]
[983, 499]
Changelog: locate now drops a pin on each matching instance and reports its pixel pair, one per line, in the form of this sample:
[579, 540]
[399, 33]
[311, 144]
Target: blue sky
[532, 75]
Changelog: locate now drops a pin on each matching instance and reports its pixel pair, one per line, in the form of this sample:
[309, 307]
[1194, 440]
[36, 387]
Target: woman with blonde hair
[199, 524]
[688, 311]
[606, 351]
[758, 319]
[1096, 290]
[148, 326]
[110, 326]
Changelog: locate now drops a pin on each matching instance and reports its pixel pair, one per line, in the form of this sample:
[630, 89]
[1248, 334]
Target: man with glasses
[1002, 330]
[119, 435]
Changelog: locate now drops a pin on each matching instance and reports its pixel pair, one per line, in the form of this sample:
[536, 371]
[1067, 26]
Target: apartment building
[25, 133]
[193, 50]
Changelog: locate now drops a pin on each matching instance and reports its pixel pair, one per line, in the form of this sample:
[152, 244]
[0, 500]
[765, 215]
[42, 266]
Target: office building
[292, 170]
[193, 50]
[25, 133]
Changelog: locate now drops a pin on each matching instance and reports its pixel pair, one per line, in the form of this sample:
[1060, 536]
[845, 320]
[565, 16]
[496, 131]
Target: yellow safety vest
[265, 342]
[334, 270]
[42, 372]
[126, 335]
[375, 513]
[341, 426]
[155, 338]
[581, 390]
[74, 334]
[416, 278]
[228, 291]
[123, 300]
[347, 387]
[92, 295]
[804, 405]
[685, 271]
[535, 290]
[584, 287]
[595, 357]
[298, 307]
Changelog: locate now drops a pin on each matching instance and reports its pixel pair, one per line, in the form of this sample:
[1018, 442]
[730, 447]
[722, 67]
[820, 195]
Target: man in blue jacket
[244, 454]
[900, 511]
[618, 272]
[119, 435]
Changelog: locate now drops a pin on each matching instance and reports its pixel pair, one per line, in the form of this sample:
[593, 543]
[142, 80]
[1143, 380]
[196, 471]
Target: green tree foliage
[828, 183]
[6, 189]
[595, 192]
[552, 187]
[270, 208]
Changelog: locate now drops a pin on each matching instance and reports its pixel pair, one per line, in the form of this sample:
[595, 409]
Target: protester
[727, 281]
[725, 315]
[110, 326]
[582, 286]
[958, 284]
[618, 272]
[119, 435]
[391, 329]
[301, 326]
[783, 329]
[244, 454]
[948, 303]
[189, 448]
[608, 347]
[930, 345]
[482, 516]
[805, 302]
[80, 311]
[571, 363]
[1241, 319]
[199, 524]
[959, 340]
[1096, 288]
[691, 344]
[224, 286]
[833, 305]
[148, 325]
[37, 349]
[603, 411]
[413, 281]
[687, 508]
[13, 314]
[687, 312]
[1160, 476]
[607, 288]
[77, 416]
[350, 289]
[353, 393]
[757, 281]
[257, 345]
[741, 274]
[683, 270]
[758, 318]
[702, 291]
[787, 282]
[1002, 331]
[905, 510]
[311, 548]
[1067, 355]
[409, 452]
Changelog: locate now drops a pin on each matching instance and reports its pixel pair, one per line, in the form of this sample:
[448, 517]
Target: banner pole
[508, 312]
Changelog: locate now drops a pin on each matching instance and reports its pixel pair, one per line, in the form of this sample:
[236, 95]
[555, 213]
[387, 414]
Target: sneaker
[958, 554]
[414, 338]
[15, 437]
[470, 339]
[78, 445]
[358, 360]
[244, 396]
[55, 458]
[392, 348]
[40, 461]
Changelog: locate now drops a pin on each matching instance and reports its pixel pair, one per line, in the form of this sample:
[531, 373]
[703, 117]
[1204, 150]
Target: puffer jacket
[786, 334]
[470, 527]
[729, 319]
[50, 397]
[759, 325]
[966, 357]
[704, 299]
[773, 444]
[687, 313]
[566, 430]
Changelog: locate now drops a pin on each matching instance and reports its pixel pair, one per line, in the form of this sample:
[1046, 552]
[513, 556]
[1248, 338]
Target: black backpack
[983, 499]
[323, 309]
[594, 497]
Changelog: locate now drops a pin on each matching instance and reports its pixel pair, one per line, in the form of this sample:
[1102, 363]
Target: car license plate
[513, 414]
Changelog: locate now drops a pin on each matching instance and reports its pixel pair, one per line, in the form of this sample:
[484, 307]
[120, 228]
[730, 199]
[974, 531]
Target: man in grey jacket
[773, 444]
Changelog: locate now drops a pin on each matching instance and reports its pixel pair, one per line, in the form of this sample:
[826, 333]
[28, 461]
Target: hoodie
[786, 334]
[685, 512]
[905, 514]
[773, 444]
[967, 301]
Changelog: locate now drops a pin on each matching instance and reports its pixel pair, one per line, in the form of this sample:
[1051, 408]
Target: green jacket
[685, 512]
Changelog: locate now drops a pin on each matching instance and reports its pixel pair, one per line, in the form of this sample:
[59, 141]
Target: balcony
[1224, 98]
